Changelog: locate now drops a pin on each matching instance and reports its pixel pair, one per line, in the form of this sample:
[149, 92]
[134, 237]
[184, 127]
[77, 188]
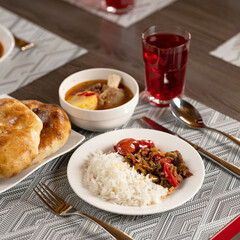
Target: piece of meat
[179, 163]
[97, 88]
[178, 160]
[111, 97]
[104, 87]
[186, 172]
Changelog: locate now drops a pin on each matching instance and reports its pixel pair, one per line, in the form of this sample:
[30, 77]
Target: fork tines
[51, 199]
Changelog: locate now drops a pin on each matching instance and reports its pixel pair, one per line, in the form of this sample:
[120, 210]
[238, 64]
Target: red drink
[119, 6]
[165, 56]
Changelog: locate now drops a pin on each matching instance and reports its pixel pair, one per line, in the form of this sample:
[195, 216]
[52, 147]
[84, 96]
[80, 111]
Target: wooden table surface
[209, 80]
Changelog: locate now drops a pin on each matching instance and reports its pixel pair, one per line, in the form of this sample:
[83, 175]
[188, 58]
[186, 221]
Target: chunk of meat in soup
[97, 88]
[111, 97]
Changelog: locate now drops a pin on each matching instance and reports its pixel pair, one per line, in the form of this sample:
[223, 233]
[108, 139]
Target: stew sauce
[1, 49]
[97, 86]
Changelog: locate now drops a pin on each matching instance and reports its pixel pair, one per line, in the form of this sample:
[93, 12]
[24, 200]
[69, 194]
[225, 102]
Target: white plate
[74, 140]
[166, 142]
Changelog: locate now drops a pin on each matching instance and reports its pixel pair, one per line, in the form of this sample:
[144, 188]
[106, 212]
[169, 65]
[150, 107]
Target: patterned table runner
[142, 9]
[229, 51]
[50, 52]
[23, 215]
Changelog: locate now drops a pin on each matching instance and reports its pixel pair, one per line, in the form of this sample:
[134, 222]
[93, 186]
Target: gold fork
[22, 44]
[59, 206]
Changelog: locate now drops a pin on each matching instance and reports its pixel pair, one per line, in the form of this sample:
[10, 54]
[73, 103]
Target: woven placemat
[229, 51]
[50, 52]
[24, 216]
[142, 9]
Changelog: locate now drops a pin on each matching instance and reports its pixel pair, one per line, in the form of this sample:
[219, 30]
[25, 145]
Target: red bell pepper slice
[167, 160]
[145, 143]
[86, 94]
[171, 177]
[157, 157]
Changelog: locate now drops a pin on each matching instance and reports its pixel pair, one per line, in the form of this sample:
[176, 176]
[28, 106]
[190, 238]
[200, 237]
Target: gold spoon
[22, 44]
[189, 115]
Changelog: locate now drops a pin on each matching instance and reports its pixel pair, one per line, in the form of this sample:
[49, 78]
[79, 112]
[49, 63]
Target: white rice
[107, 176]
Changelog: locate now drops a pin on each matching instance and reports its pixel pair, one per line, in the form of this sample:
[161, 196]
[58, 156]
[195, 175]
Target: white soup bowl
[7, 41]
[98, 120]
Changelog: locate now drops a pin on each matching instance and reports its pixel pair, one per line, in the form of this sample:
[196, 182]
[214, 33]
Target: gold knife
[226, 165]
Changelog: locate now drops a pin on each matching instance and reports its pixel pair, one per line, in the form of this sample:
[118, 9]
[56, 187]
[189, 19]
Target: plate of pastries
[32, 133]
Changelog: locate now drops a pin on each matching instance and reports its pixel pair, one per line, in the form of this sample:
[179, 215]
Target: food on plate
[109, 177]
[166, 169]
[135, 174]
[99, 94]
[20, 132]
[29, 132]
[56, 127]
[1, 49]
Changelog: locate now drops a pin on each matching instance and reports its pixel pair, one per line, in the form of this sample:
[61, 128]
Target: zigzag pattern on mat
[23, 215]
[51, 52]
[229, 51]
[141, 10]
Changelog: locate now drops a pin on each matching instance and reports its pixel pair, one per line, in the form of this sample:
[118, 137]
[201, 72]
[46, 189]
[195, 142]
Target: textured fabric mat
[229, 51]
[142, 9]
[23, 215]
[50, 52]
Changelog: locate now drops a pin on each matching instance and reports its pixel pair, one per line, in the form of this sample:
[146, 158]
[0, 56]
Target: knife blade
[226, 165]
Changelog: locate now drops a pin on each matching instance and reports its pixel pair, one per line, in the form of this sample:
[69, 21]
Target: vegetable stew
[167, 169]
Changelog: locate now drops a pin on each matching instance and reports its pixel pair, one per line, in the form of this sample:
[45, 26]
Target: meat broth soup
[1, 49]
[98, 95]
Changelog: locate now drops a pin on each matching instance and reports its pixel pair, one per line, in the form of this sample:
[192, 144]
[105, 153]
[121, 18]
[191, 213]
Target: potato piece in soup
[85, 101]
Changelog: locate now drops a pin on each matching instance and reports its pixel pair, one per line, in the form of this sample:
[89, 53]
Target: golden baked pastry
[56, 127]
[19, 137]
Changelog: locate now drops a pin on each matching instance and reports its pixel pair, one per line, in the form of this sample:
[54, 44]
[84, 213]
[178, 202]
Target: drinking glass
[118, 6]
[165, 53]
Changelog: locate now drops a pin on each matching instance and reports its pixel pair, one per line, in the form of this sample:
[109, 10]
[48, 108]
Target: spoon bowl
[186, 113]
[190, 116]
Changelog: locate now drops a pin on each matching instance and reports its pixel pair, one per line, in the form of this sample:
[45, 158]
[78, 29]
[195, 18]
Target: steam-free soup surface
[97, 95]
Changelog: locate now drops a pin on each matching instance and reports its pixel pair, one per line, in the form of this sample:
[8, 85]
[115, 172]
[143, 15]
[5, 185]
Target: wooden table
[209, 80]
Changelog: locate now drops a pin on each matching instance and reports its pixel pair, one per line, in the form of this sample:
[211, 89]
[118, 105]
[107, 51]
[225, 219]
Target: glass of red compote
[118, 6]
[165, 53]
